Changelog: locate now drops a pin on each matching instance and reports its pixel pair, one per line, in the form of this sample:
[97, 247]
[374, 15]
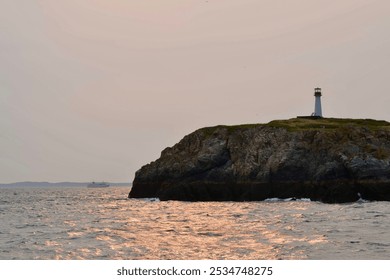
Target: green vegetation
[327, 123]
[208, 131]
[298, 124]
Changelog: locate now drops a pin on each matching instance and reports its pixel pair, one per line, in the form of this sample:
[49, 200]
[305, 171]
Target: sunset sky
[94, 89]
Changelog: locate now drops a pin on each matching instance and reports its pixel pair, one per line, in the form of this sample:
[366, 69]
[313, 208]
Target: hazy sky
[94, 89]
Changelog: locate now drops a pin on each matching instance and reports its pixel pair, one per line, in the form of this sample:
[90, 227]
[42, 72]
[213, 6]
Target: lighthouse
[317, 107]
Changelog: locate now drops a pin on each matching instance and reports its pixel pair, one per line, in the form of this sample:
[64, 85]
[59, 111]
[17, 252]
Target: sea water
[81, 223]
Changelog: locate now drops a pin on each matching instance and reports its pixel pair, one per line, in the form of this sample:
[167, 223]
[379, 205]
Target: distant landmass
[58, 184]
[324, 159]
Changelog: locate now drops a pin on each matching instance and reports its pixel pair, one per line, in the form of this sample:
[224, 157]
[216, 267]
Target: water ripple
[77, 223]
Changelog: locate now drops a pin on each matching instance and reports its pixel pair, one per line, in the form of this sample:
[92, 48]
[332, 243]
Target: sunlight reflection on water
[80, 223]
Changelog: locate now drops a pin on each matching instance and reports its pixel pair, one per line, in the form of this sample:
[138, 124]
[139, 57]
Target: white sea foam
[151, 199]
[275, 199]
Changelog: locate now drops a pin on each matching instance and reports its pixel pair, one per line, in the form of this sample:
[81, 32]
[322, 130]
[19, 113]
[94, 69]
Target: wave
[276, 199]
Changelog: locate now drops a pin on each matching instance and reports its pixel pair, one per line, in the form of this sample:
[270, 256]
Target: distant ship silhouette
[98, 185]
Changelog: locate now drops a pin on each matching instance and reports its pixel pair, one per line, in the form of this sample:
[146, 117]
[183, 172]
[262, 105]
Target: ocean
[53, 223]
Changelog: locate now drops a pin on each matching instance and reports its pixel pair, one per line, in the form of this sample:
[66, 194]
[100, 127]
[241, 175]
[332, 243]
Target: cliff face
[331, 160]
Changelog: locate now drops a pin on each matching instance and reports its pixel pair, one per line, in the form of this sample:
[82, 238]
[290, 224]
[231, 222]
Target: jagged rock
[331, 160]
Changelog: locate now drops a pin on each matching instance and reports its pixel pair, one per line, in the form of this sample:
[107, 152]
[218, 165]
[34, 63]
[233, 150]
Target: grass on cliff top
[208, 131]
[328, 123]
[298, 124]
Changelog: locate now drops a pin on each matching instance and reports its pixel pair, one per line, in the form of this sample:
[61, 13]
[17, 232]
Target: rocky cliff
[330, 160]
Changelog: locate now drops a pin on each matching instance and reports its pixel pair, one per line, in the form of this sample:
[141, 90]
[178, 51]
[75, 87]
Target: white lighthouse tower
[317, 106]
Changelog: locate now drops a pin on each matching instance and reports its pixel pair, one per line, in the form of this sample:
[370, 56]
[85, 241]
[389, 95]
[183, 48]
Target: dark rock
[331, 160]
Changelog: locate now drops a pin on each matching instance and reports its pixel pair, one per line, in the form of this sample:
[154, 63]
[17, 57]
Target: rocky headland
[328, 160]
